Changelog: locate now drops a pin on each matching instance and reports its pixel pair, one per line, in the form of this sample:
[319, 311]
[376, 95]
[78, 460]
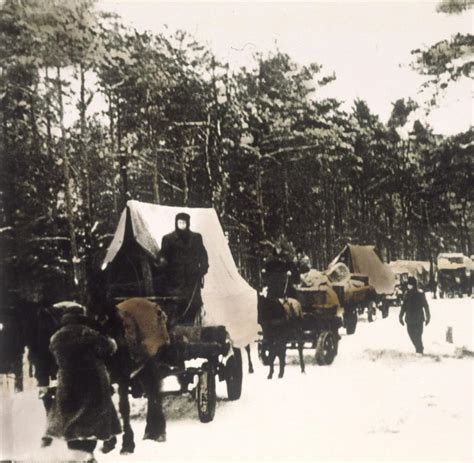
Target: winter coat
[186, 262]
[414, 306]
[82, 408]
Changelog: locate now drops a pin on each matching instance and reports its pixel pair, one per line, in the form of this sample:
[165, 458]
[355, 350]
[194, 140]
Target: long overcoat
[83, 405]
[414, 307]
[186, 262]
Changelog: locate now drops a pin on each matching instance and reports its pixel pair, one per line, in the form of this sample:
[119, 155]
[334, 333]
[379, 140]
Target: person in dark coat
[82, 411]
[279, 274]
[185, 262]
[415, 311]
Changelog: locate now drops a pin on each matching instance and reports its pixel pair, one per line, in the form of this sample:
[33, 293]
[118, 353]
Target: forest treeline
[176, 126]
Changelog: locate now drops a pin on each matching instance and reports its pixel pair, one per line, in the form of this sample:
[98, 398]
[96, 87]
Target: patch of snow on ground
[378, 402]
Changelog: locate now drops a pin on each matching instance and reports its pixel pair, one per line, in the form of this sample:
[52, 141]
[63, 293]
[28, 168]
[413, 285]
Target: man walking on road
[414, 312]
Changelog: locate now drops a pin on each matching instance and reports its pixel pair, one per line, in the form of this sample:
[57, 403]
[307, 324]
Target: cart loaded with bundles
[322, 315]
[312, 316]
[363, 282]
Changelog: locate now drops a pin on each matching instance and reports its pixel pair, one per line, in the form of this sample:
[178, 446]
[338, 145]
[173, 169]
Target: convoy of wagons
[355, 282]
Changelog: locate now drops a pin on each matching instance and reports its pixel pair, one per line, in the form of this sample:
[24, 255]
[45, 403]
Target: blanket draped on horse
[145, 328]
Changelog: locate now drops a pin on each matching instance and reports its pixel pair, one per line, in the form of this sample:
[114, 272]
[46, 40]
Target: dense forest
[175, 126]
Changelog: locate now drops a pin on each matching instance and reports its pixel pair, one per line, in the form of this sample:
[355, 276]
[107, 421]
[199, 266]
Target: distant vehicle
[404, 269]
[455, 275]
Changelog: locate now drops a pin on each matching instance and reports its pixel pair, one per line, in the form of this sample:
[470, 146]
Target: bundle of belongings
[315, 293]
[356, 287]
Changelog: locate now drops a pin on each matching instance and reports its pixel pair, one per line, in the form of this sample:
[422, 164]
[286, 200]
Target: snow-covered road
[378, 401]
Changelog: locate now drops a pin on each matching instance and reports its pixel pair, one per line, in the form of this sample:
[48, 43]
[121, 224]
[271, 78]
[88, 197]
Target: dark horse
[139, 328]
[135, 367]
[280, 320]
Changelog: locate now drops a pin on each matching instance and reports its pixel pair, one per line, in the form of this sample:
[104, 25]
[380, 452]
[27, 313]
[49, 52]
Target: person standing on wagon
[185, 262]
[415, 311]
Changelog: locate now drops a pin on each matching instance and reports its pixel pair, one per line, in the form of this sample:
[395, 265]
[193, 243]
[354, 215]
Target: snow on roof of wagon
[227, 298]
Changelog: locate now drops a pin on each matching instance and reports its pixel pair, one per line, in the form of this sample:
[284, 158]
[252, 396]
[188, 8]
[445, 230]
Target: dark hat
[183, 216]
[72, 318]
[186, 218]
[411, 281]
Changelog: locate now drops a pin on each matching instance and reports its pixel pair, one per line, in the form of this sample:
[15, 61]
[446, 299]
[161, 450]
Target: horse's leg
[271, 358]
[128, 444]
[282, 357]
[247, 348]
[109, 445]
[18, 372]
[300, 352]
[155, 418]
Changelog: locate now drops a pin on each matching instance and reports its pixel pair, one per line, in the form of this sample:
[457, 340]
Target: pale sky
[367, 44]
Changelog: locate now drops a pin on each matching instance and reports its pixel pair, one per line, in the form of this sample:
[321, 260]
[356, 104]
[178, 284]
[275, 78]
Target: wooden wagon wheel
[206, 394]
[326, 348]
[234, 375]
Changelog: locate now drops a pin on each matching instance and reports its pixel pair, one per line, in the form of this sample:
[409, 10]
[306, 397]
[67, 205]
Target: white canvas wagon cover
[227, 298]
[364, 260]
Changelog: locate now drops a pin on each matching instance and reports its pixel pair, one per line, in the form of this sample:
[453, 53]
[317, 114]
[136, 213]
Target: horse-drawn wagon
[208, 350]
[322, 318]
[455, 274]
[196, 356]
[310, 319]
[363, 282]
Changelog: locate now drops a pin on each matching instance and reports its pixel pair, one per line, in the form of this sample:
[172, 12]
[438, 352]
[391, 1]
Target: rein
[189, 303]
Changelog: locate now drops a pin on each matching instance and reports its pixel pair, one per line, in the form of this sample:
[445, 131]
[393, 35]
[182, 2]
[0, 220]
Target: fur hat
[183, 216]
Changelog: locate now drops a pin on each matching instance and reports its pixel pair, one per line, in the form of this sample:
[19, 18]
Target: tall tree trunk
[156, 176]
[259, 190]
[184, 177]
[67, 180]
[465, 220]
[49, 138]
[34, 123]
[84, 150]
[286, 198]
[218, 187]
[207, 159]
[112, 148]
[123, 159]
[152, 142]
[327, 222]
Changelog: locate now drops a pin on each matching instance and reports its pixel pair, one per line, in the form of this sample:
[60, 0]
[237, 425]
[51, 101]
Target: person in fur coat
[82, 411]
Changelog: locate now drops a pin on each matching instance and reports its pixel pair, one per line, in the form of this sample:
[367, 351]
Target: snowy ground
[378, 401]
